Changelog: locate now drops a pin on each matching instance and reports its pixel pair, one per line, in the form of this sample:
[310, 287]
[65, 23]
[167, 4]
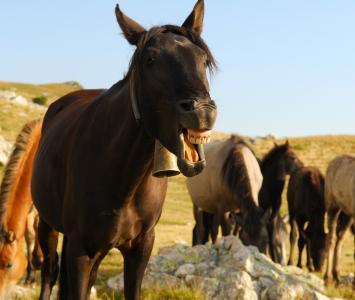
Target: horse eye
[150, 60]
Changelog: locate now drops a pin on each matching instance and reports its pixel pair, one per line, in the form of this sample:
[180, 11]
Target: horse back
[231, 175]
[305, 194]
[340, 184]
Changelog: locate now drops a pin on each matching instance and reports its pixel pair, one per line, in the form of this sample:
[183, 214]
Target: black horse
[92, 177]
[279, 162]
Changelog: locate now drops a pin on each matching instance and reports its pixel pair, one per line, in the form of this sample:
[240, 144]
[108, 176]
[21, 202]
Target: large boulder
[228, 270]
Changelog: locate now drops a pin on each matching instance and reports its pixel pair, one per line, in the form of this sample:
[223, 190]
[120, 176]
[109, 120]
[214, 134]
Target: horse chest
[138, 214]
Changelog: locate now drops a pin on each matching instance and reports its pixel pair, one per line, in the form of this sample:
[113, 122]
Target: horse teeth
[199, 140]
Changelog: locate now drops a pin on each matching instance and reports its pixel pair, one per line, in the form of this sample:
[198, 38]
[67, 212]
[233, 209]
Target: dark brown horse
[92, 177]
[306, 206]
[279, 162]
[17, 215]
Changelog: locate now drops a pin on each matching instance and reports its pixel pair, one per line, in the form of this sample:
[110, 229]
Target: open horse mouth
[191, 160]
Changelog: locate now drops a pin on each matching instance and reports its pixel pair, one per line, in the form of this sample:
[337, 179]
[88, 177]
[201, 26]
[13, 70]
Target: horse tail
[63, 280]
[26, 142]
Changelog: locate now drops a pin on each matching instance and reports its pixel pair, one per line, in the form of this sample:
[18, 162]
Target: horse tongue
[190, 151]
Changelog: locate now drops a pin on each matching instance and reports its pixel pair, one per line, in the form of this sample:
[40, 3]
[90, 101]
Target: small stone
[186, 269]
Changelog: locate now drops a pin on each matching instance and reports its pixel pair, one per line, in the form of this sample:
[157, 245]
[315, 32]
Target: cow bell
[165, 162]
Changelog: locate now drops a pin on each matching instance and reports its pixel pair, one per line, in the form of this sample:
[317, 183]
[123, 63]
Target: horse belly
[343, 189]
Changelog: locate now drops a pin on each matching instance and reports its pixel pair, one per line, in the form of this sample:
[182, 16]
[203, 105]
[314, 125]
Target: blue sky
[285, 67]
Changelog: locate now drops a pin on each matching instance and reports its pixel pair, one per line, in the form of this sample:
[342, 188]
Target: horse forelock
[235, 174]
[14, 165]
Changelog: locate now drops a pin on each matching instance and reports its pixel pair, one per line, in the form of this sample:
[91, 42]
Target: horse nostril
[186, 105]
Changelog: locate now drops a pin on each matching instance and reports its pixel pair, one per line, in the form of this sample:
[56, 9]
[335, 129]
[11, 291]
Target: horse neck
[128, 142]
[271, 178]
[18, 200]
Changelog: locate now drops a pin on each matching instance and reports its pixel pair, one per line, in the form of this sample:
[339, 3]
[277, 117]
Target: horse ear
[287, 144]
[275, 144]
[10, 236]
[130, 28]
[194, 21]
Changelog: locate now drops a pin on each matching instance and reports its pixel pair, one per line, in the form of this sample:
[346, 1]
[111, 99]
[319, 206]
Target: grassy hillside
[51, 91]
[176, 223]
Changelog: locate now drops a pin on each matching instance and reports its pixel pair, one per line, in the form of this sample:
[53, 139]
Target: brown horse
[231, 181]
[339, 199]
[305, 196]
[17, 215]
[92, 177]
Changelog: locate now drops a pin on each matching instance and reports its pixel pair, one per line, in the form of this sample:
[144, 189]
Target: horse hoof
[30, 281]
[328, 280]
[310, 268]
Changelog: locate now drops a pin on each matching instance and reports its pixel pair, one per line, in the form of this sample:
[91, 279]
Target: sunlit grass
[176, 223]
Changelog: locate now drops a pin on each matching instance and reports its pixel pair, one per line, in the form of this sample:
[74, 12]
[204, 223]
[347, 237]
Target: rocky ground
[228, 270]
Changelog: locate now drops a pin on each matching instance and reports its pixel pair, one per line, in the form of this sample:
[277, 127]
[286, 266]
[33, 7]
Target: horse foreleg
[136, 259]
[293, 240]
[213, 226]
[301, 243]
[226, 230]
[341, 230]
[272, 246]
[30, 236]
[48, 240]
[199, 232]
[78, 267]
[333, 215]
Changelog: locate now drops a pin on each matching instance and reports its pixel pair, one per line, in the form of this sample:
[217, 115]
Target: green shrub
[41, 100]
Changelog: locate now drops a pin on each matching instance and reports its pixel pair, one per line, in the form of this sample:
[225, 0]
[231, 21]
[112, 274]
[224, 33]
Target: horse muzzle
[197, 114]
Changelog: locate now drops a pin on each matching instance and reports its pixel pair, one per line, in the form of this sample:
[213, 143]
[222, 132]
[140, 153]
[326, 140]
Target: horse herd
[87, 169]
[242, 195]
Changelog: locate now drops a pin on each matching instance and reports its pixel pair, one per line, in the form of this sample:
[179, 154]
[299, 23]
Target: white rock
[186, 269]
[5, 150]
[228, 270]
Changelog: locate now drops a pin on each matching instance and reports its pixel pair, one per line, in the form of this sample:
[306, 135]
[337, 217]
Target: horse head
[285, 159]
[169, 87]
[12, 261]
[254, 228]
[318, 249]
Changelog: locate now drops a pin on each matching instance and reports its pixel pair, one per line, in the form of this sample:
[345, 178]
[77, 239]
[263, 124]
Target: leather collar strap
[134, 99]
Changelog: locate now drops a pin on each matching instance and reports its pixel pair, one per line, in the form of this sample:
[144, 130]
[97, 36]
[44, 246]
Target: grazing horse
[339, 199]
[279, 162]
[305, 197]
[17, 215]
[231, 181]
[92, 177]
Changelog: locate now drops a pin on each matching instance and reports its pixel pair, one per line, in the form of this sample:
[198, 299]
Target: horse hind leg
[343, 226]
[48, 240]
[333, 215]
